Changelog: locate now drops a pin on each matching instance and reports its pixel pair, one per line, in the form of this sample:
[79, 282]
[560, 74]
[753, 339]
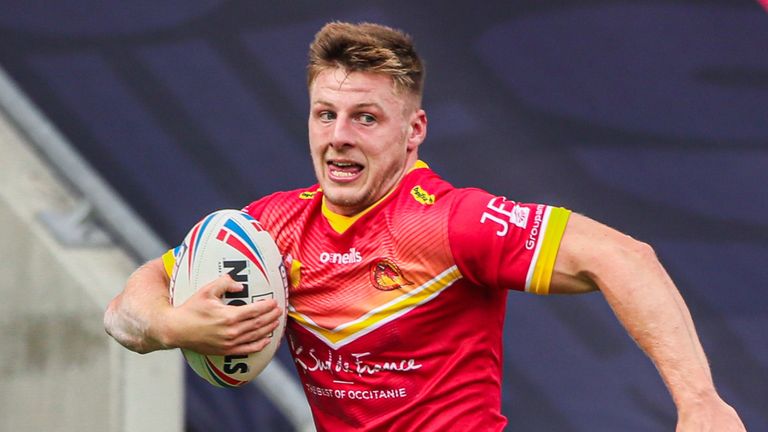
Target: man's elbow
[114, 328]
[641, 253]
[637, 250]
[109, 317]
[626, 263]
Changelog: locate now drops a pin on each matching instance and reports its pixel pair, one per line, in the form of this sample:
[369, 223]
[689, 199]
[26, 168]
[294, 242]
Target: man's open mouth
[340, 170]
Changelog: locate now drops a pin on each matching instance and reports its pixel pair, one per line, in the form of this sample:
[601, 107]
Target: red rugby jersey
[396, 314]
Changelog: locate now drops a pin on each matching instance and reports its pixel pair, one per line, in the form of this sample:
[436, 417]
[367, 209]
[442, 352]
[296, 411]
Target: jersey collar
[341, 223]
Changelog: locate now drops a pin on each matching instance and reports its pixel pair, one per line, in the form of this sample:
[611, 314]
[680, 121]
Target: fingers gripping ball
[231, 242]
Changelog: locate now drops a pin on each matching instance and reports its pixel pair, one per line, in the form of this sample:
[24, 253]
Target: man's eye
[327, 116]
[366, 119]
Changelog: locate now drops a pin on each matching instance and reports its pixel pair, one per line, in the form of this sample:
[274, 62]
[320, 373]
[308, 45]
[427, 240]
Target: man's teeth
[343, 174]
[343, 169]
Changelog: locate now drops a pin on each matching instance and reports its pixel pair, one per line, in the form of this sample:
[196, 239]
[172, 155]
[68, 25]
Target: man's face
[363, 137]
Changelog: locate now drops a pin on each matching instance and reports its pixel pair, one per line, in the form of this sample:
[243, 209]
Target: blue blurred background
[651, 116]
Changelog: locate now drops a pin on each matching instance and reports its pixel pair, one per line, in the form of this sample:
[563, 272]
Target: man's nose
[342, 134]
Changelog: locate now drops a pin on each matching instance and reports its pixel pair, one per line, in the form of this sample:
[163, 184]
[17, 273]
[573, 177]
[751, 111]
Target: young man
[399, 280]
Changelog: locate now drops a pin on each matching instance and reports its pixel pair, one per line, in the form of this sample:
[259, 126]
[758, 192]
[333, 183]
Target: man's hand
[710, 414]
[207, 326]
[142, 319]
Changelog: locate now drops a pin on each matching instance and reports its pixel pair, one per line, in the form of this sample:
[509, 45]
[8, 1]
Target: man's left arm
[644, 298]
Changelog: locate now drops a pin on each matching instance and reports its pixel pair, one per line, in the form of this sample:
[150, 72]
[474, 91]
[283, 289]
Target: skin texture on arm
[643, 297]
[142, 319]
[128, 315]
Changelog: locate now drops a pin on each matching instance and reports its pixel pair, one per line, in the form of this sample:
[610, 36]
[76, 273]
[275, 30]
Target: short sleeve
[501, 243]
[169, 260]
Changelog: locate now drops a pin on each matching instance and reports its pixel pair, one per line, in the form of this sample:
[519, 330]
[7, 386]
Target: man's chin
[343, 203]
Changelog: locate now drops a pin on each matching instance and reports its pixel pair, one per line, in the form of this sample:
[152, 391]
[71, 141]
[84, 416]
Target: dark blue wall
[651, 116]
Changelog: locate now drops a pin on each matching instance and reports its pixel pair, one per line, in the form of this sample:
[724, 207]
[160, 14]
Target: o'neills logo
[351, 257]
[387, 276]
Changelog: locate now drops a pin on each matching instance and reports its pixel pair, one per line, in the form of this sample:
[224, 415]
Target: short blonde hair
[367, 47]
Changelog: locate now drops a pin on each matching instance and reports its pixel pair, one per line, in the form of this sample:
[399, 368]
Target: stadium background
[648, 115]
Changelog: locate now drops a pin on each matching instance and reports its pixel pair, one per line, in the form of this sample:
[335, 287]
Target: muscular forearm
[650, 307]
[643, 297]
[133, 317]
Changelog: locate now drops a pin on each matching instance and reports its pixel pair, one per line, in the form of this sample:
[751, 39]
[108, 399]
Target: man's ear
[417, 129]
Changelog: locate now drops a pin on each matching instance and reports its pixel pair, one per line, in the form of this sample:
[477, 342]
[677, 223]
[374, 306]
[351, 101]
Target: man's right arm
[142, 319]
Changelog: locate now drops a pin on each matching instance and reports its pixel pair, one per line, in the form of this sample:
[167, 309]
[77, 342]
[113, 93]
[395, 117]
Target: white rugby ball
[233, 242]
